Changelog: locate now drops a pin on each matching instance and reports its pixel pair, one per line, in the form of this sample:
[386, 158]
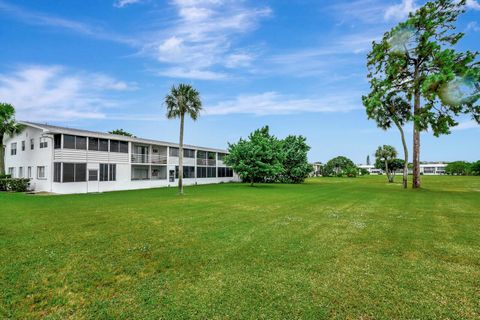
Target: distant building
[64, 160]
[317, 169]
[370, 168]
[430, 168]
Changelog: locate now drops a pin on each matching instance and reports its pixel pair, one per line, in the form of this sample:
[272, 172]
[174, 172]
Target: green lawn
[330, 248]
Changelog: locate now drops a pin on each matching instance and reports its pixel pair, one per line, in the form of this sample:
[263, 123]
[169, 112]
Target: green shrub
[15, 185]
[5, 176]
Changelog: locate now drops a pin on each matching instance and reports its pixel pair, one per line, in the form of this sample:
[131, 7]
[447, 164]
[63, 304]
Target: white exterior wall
[31, 158]
[48, 156]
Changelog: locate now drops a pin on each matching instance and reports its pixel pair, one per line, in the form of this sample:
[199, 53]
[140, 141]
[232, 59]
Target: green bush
[15, 185]
[5, 176]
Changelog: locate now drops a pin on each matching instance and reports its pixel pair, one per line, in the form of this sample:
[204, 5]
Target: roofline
[52, 129]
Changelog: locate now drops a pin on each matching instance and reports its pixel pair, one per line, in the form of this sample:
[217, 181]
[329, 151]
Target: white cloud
[400, 11]
[42, 19]
[465, 125]
[473, 26]
[41, 93]
[124, 3]
[274, 103]
[473, 4]
[178, 72]
[202, 37]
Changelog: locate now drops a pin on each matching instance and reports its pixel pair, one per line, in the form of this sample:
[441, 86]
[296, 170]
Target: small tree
[340, 166]
[182, 100]
[122, 132]
[256, 159]
[417, 61]
[393, 166]
[8, 127]
[295, 161]
[386, 154]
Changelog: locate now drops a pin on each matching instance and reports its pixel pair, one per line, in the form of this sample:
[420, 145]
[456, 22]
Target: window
[118, 146]
[57, 172]
[43, 143]
[103, 145]
[211, 172]
[74, 172]
[80, 143]
[140, 173]
[23, 145]
[29, 173]
[92, 175]
[57, 141]
[108, 172]
[32, 144]
[225, 172]
[221, 156]
[173, 152]
[212, 156]
[80, 172]
[114, 146]
[41, 172]
[68, 172]
[74, 142]
[188, 172]
[93, 144]
[201, 172]
[159, 173]
[189, 153]
[20, 172]
[201, 155]
[123, 146]
[112, 174]
[68, 142]
[13, 149]
[11, 172]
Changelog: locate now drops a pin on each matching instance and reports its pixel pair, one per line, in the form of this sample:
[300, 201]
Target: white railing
[148, 158]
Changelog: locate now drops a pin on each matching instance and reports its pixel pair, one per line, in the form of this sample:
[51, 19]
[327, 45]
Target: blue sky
[297, 66]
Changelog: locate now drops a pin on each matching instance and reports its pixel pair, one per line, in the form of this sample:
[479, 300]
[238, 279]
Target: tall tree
[122, 132]
[386, 154]
[368, 160]
[417, 61]
[258, 158]
[295, 159]
[8, 127]
[387, 109]
[182, 100]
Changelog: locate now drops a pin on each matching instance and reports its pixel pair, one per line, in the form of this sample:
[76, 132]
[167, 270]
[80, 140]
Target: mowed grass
[329, 248]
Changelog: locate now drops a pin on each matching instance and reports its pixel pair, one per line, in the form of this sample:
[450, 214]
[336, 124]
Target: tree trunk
[2, 156]
[416, 142]
[180, 157]
[389, 179]
[251, 182]
[405, 156]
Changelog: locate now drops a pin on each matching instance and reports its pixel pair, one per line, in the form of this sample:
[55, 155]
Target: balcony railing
[149, 158]
[206, 162]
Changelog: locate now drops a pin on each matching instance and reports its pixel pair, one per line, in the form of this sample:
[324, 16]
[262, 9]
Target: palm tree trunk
[180, 156]
[405, 155]
[387, 171]
[416, 143]
[2, 156]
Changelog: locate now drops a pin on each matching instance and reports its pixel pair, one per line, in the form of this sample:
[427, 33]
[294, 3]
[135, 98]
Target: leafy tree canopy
[256, 158]
[295, 162]
[459, 168]
[340, 166]
[122, 132]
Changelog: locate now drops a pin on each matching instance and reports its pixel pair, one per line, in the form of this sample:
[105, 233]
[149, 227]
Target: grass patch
[330, 248]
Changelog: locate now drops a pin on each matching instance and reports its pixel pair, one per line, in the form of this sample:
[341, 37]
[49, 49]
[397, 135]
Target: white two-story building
[64, 160]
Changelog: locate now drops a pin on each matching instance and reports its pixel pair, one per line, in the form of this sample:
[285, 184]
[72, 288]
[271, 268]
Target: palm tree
[386, 154]
[8, 126]
[182, 100]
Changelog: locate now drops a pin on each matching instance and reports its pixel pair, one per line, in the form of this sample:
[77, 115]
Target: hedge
[15, 185]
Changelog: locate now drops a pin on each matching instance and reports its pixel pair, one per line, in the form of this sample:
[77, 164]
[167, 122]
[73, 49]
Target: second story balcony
[148, 158]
